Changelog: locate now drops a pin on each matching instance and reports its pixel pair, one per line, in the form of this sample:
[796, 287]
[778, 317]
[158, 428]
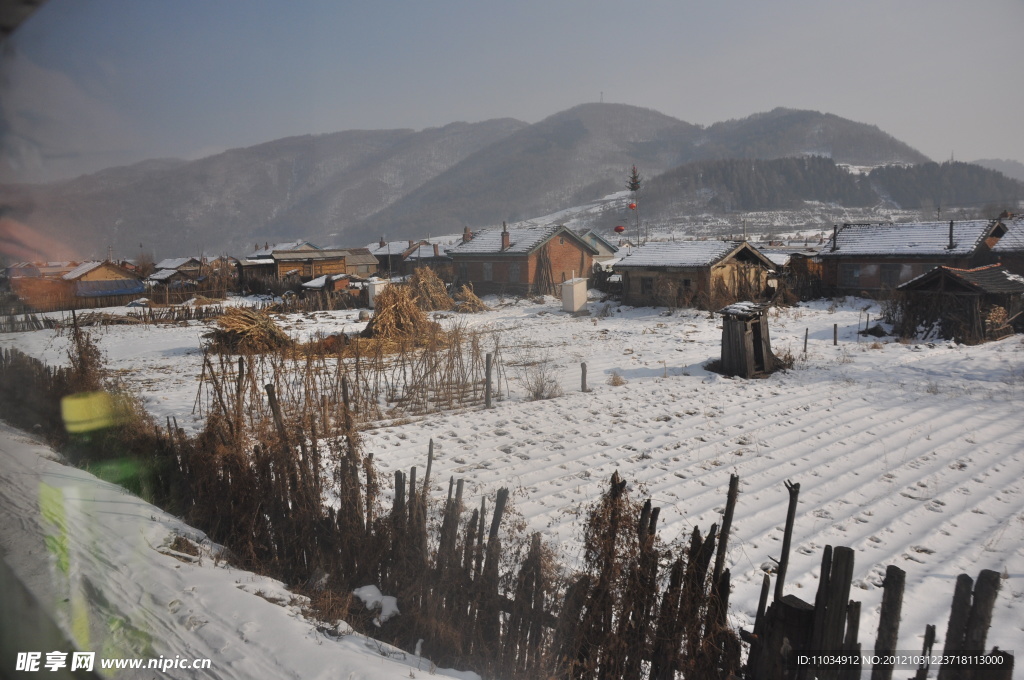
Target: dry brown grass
[466, 301]
[245, 331]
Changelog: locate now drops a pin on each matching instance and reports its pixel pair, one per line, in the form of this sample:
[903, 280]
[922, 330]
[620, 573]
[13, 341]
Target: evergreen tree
[634, 181]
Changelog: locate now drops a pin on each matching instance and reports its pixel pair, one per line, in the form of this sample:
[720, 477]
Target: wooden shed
[966, 305]
[746, 345]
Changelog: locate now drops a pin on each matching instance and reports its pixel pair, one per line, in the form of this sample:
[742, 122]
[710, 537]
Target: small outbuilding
[968, 306]
[746, 345]
[704, 274]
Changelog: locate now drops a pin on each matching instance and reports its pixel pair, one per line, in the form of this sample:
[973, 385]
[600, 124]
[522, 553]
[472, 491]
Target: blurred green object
[87, 412]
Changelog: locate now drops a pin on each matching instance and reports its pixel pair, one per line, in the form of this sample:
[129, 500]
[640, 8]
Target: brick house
[706, 274]
[521, 260]
[874, 258]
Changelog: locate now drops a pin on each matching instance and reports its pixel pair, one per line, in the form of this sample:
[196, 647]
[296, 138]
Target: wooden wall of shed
[739, 348]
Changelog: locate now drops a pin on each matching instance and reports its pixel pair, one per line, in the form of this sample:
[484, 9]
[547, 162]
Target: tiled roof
[922, 238]
[678, 254]
[522, 240]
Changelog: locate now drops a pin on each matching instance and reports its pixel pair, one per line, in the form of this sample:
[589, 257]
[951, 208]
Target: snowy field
[912, 455]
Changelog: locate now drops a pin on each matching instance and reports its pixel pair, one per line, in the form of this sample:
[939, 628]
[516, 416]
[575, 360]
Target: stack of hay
[247, 331]
[397, 315]
[429, 291]
[467, 301]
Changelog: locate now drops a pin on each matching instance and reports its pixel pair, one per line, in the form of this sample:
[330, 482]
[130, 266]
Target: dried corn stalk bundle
[397, 316]
[429, 290]
[245, 331]
[467, 301]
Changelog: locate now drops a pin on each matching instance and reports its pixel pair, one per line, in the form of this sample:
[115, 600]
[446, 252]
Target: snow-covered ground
[911, 454]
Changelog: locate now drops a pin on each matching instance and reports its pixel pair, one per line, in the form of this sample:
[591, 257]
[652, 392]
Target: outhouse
[746, 345]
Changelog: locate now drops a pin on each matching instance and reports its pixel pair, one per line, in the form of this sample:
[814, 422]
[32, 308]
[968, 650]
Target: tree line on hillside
[946, 184]
[786, 183]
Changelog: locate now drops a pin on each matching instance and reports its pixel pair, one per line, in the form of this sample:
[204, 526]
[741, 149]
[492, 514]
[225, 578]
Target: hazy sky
[92, 83]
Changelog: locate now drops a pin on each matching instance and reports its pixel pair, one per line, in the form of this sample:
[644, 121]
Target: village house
[103, 279]
[390, 255]
[360, 262]
[705, 274]
[965, 305]
[432, 255]
[521, 260]
[86, 285]
[190, 267]
[875, 258]
[401, 259]
[605, 250]
[305, 265]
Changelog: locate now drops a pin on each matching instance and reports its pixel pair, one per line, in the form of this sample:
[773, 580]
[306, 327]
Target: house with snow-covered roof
[521, 260]
[706, 274]
[874, 258]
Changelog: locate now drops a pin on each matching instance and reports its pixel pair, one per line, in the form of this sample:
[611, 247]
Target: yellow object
[87, 411]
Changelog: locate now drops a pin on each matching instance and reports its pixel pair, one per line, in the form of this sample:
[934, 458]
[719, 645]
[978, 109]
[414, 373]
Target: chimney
[382, 242]
[411, 243]
[835, 235]
[467, 235]
[437, 251]
[504, 237]
[951, 235]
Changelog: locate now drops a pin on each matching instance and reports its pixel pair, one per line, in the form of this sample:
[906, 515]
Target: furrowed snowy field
[912, 455]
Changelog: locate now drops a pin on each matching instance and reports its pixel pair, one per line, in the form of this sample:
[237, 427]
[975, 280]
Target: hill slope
[352, 187]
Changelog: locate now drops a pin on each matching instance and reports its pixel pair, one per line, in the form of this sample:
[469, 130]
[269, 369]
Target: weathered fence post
[723, 535]
[487, 382]
[583, 377]
[835, 334]
[889, 620]
[807, 332]
[787, 537]
[957, 626]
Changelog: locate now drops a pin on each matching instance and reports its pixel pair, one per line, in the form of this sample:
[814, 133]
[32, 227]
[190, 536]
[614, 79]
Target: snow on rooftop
[521, 240]
[922, 238]
[174, 262]
[677, 254]
[1013, 240]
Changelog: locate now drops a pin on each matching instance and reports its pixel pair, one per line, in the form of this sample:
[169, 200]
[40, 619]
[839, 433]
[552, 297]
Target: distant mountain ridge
[349, 188]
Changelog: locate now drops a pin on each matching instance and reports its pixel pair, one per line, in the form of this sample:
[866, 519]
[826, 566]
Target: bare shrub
[616, 379]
